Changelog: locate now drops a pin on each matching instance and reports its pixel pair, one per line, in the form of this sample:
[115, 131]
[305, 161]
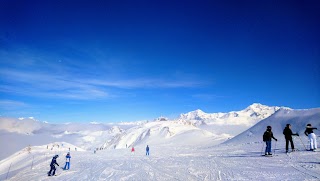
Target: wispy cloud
[25, 73]
[147, 83]
[48, 85]
[70, 86]
[11, 104]
[207, 96]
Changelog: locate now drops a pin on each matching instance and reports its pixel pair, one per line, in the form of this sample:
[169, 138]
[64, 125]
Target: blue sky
[110, 61]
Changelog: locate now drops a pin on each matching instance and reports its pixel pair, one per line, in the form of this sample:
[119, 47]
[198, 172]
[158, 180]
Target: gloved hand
[276, 139]
[297, 134]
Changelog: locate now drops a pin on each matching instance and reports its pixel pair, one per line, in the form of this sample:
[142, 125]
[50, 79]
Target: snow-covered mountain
[179, 150]
[216, 127]
[248, 117]
[297, 118]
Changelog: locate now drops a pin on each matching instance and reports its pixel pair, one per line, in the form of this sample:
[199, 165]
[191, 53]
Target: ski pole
[262, 147]
[8, 171]
[32, 162]
[303, 143]
[275, 146]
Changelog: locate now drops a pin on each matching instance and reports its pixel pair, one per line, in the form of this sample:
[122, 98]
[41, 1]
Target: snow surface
[179, 150]
[207, 162]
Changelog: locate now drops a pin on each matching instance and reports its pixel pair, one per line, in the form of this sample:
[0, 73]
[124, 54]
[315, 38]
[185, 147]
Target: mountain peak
[258, 106]
[198, 111]
[250, 115]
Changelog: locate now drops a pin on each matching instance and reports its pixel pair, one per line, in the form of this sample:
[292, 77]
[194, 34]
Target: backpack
[265, 136]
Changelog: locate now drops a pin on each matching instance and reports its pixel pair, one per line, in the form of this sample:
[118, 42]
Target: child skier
[147, 150]
[67, 161]
[52, 165]
[267, 138]
[288, 136]
[312, 137]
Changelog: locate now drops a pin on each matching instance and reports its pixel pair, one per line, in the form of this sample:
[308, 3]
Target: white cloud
[35, 74]
[70, 86]
[11, 104]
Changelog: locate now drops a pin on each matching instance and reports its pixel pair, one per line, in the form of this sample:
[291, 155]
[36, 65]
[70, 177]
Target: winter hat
[268, 127]
[288, 125]
[308, 125]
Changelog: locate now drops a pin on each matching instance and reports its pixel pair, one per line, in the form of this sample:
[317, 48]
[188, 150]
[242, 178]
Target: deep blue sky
[109, 61]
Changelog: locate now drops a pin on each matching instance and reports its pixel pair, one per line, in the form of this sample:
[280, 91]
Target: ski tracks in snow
[205, 164]
[305, 167]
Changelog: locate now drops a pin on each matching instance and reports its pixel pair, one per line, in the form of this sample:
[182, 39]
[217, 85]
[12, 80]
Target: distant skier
[288, 136]
[67, 166]
[312, 137]
[267, 138]
[52, 165]
[147, 150]
[132, 150]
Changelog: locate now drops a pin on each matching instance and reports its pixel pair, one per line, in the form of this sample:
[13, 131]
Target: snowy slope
[24, 132]
[162, 133]
[29, 131]
[179, 150]
[166, 162]
[297, 118]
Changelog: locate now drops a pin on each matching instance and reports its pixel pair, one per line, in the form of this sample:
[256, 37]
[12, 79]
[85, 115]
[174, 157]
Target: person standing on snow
[147, 150]
[132, 150]
[267, 138]
[67, 162]
[52, 165]
[288, 136]
[312, 137]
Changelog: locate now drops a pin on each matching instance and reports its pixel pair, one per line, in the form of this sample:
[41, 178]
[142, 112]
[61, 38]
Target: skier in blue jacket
[147, 150]
[52, 165]
[67, 162]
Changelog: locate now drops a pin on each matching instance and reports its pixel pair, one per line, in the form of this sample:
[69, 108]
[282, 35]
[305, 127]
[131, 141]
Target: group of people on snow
[54, 163]
[147, 150]
[268, 136]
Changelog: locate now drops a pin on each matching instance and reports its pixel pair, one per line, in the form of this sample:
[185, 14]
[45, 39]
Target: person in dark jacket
[267, 138]
[312, 137]
[288, 136]
[52, 165]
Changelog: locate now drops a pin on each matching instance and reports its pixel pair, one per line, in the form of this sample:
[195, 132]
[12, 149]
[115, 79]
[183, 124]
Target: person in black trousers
[52, 166]
[288, 136]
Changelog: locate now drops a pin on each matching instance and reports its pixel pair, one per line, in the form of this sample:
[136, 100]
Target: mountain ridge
[121, 135]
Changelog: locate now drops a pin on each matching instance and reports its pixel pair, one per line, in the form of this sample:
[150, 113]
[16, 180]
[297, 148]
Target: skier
[288, 136]
[312, 137]
[132, 150]
[267, 138]
[67, 161]
[52, 165]
[147, 150]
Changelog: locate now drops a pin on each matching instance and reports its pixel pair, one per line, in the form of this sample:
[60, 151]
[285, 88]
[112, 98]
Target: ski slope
[223, 162]
[178, 151]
